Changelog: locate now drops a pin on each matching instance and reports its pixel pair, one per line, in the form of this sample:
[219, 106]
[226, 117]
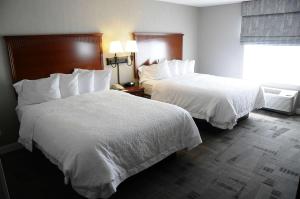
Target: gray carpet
[259, 158]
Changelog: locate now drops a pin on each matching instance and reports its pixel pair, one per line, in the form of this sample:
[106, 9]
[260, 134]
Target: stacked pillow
[37, 91]
[59, 86]
[85, 80]
[191, 66]
[93, 80]
[154, 72]
[173, 67]
[68, 84]
[179, 67]
[166, 69]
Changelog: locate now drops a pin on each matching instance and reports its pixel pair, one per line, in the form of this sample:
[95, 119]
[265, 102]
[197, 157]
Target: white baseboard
[298, 111]
[10, 147]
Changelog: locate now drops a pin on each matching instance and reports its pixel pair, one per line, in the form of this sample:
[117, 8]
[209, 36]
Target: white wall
[220, 51]
[117, 19]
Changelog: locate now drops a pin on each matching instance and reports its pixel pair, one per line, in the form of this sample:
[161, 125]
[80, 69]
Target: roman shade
[271, 22]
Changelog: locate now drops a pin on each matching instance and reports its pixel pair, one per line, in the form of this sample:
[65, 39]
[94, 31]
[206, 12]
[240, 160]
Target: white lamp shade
[115, 47]
[131, 46]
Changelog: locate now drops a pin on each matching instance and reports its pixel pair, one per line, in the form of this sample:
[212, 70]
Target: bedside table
[136, 90]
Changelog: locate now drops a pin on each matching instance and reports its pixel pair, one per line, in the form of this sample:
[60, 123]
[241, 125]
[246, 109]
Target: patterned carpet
[259, 158]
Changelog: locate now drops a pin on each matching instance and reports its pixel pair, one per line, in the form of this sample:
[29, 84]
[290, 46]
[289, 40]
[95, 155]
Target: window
[272, 64]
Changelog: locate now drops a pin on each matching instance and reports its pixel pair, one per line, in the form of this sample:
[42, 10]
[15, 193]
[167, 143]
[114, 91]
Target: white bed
[100, 139]
[218, 100]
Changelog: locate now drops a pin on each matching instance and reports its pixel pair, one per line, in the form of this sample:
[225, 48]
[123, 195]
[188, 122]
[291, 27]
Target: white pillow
[173, 67]
[85, 80]
[155, 72]
[140, 71]
[191, 67]
[102, 80]
[182, 67]
[68, 84]
[37, 91]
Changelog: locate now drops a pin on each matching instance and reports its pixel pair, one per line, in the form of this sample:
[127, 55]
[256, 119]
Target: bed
[90, 137]
[220, 101]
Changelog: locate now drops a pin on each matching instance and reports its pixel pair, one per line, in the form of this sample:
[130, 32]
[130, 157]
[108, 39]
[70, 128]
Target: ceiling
[203, 3]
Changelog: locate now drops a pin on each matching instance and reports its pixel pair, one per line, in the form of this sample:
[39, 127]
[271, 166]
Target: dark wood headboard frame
[156, 46]
[38, 56]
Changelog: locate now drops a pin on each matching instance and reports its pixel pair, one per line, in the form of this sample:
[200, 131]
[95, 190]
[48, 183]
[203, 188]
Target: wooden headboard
[156, 46]
[38, 56]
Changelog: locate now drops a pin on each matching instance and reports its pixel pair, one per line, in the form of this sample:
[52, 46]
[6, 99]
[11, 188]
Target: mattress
[220, 101]
[99, 139]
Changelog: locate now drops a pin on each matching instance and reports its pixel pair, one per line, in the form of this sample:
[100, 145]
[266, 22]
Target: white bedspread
[218, 100]
[100, 139]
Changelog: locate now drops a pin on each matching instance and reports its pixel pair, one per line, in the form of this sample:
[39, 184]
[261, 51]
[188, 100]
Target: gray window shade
[271, 22]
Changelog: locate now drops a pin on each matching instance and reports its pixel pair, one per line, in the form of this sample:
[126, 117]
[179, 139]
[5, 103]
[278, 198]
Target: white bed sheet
[220, 101]
[100, 139]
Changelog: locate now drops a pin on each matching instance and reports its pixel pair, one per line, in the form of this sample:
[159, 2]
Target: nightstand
[136, 90]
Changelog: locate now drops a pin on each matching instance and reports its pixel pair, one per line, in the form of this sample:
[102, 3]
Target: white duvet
[218, 100]
[100, 139]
